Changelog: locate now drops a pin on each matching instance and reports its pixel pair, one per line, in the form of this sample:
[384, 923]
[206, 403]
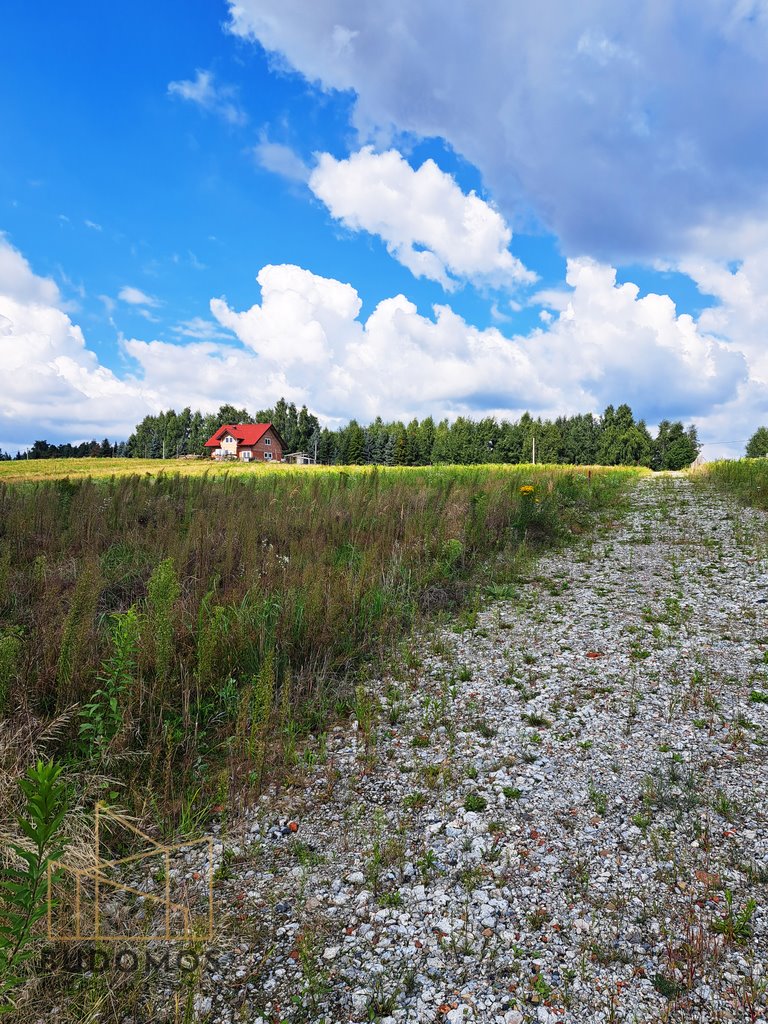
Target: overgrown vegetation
[744, 479]
[24, 884]
[202, 624]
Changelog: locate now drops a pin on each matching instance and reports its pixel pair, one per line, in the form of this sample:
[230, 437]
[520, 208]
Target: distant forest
[615, 438]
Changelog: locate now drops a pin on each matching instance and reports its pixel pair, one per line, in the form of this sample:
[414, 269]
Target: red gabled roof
[245, 433]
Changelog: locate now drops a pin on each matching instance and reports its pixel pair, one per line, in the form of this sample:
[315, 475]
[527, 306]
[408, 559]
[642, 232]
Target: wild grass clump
[744, 479]
[201, 624]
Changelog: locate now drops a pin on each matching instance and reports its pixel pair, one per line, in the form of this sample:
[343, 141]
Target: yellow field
[57, 469]
[33, 470]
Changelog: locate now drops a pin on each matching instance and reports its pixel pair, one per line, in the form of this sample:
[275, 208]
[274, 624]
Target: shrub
[24, 890]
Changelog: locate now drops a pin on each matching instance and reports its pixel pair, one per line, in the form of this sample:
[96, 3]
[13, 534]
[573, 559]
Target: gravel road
[557, 814]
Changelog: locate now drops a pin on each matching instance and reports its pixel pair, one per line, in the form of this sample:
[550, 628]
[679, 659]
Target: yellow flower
[526, 489]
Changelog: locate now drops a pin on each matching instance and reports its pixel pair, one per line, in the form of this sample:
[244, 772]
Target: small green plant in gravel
[512, 792]
[536, 719]
[475, 802]
[758, 697]
[307, 855]
[382, 1003]
[538, 918]
[364, 709]
[598, 799]
[395, 712]
[415, 801]
[316, 981]
[427, 863]
[578, 870]
[431, 773]
[484, 730]
[541, 987]
[666, 986]
[724, 806]
[411, 659]
[711, 703]
[434, 710]
[736, 925]
[471, 878]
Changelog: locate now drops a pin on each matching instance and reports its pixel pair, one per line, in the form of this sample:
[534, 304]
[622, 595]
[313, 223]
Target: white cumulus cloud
[607, 344]
[306, 339]
[18, 280]
[51, 384]
[303, 321]
[424, 218]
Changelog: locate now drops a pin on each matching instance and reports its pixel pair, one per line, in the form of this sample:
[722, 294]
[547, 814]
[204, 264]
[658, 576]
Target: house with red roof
[248, 442]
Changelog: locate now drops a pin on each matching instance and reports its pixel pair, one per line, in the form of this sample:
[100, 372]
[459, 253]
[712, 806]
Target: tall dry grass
[254, 599]
[744, 479]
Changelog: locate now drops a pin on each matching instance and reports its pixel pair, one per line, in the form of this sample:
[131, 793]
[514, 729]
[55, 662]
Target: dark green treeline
[613, 439]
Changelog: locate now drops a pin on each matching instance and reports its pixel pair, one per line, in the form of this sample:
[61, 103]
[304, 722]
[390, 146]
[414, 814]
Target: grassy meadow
[745, 479]
[175, 637]
[33, 470]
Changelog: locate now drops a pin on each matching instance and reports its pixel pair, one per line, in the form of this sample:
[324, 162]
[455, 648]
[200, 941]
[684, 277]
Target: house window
[246, 456]
[267, 455]
[267, 440]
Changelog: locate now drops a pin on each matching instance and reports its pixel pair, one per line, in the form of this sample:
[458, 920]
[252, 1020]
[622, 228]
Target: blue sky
[449, 211]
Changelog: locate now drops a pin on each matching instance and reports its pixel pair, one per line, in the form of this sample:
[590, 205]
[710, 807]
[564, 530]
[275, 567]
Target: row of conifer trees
[615, 438]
